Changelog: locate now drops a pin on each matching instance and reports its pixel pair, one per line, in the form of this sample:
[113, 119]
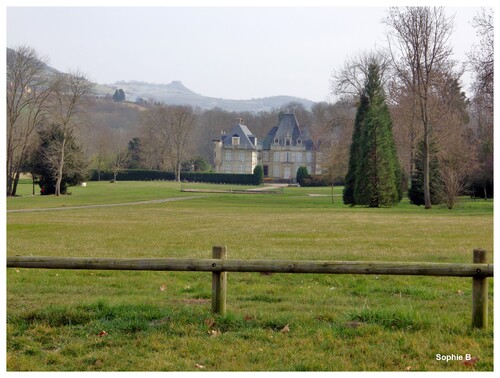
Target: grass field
[161, 321]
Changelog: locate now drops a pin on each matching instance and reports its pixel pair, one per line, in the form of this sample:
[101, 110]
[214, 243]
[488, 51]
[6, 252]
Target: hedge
[153, 175]
[316, 180]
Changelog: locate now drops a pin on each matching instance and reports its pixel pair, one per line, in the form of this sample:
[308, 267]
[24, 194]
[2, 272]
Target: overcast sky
[234, 53]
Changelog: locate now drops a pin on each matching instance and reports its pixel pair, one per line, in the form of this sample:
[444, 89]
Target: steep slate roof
[247, 139]
[288, 128]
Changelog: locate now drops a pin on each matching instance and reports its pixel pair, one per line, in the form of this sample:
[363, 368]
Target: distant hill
[176, 93]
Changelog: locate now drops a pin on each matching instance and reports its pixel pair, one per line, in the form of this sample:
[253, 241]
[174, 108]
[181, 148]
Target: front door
[287, 174]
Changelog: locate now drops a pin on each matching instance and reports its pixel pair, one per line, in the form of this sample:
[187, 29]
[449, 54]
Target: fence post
[479, 294]
[219, 283]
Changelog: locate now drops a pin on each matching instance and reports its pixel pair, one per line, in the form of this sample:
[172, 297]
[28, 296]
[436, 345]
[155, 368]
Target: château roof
[288, 129]
[247, 139]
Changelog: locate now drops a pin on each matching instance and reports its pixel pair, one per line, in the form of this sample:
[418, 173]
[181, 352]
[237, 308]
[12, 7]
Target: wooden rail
[219, 265]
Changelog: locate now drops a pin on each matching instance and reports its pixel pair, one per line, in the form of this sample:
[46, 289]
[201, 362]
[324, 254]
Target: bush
[302, 175]
[258, 173]
[317, 180]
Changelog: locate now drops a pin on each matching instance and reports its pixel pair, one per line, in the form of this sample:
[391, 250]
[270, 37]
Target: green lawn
[158, 321]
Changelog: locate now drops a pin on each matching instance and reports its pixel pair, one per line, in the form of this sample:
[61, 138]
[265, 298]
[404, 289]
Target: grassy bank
[162, 320]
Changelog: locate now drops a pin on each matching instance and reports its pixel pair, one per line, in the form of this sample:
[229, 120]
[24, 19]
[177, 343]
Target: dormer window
[288, 142]
[235, 140]
[299, 141]
[276, 141]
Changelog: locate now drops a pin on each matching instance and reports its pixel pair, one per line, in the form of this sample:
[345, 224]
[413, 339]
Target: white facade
[286, 148]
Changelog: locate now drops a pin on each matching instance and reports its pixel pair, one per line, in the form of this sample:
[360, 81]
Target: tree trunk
[9, 185]
[15, 182]
[9, 171]
[60, 168]
[427, 191]
[178, 173]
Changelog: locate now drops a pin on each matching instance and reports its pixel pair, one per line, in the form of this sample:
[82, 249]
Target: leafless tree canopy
[482, 56]
[419, 47]
[350, 79]
[67, 101]
[168, 129]
[28, 89]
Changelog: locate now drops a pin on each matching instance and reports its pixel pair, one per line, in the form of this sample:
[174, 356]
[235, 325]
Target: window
[235, 141]
[228, 155]
[309, 157]
[299, 141]
[276, 141]
[298, 157]
[276, 157]
[265, 156]
[266, 170]
[242, 156]
[288, 142]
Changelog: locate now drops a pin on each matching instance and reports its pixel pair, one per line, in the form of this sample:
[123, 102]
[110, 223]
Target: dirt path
[106, 205]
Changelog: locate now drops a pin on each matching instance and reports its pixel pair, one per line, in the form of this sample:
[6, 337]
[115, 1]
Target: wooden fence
[219, 265]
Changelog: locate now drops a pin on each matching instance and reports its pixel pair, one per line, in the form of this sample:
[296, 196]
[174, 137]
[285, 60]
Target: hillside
[176, 93]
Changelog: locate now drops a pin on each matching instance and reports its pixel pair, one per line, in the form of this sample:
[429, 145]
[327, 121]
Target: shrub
[302, 175]
[317, 180]
[258, 173]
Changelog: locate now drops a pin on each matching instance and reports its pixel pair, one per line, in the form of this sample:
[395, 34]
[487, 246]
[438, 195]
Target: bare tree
[482, 57]
[99, 144]
[67, 102]
[28, 88]
[335, 136]
[181, 123]
[120, 156]
[454, 136]
[418, 46]
[169, 128]
[155, 132]
[481, 60]
[121, 160]
[350, 79]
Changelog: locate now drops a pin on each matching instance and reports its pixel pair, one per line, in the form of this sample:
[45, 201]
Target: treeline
[144, 138]
[443, 138]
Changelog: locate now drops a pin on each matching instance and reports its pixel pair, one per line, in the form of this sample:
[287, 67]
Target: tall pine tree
[377, 171]
[350, 179]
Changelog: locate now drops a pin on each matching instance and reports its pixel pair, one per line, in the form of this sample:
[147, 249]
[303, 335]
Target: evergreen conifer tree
[350, 179]
[46, 157]
[378, 172]
[119, 95]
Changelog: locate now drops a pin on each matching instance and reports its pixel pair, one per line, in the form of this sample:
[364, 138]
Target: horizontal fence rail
[219, 265]
[268, 266]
